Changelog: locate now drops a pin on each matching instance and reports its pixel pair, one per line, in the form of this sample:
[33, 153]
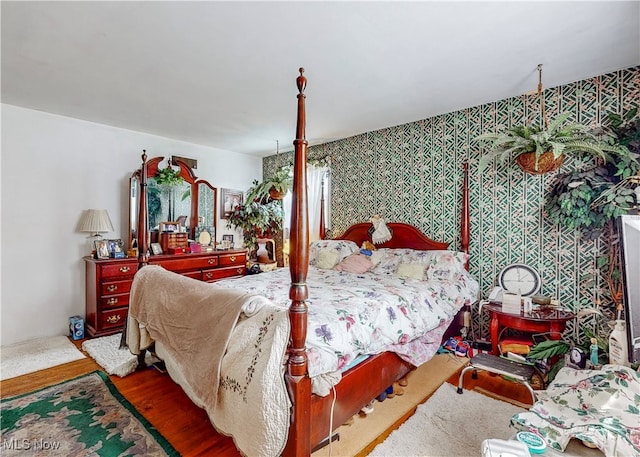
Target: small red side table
[550, 321]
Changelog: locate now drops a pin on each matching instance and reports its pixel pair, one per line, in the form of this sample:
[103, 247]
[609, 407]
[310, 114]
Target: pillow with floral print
[446, 265]
[326, 249]
[389, 260]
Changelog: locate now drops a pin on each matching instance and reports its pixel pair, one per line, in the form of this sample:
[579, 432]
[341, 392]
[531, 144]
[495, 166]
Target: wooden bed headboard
[403, 236]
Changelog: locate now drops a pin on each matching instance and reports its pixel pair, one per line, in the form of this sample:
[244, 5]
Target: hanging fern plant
[168, 177]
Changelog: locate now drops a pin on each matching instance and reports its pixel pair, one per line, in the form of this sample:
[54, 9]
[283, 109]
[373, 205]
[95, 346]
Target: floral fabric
[336, 249]
[351, 314]
[598, 406]
[439, 264]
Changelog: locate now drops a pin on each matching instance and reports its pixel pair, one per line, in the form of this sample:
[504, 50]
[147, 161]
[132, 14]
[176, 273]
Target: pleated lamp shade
[95, 221]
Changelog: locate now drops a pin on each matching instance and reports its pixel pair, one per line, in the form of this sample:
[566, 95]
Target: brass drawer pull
[212, 261]
[112, 301]
[113, 318]
[208, 275]
[240, 270]
[125, 269]
[112, 288]
[232, 258]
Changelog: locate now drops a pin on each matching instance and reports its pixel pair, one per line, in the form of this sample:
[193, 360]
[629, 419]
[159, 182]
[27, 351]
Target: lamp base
[92, 243]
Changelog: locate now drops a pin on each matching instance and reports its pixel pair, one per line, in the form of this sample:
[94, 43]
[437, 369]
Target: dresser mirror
[174, 194]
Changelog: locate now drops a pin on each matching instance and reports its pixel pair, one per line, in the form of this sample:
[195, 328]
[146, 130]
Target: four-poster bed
[309, 415]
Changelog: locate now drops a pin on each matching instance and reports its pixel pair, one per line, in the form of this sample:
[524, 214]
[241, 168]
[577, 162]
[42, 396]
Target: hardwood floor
[186, 426]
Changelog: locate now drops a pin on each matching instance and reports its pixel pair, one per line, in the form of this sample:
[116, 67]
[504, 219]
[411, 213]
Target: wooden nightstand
[108, 283]
[553, 322]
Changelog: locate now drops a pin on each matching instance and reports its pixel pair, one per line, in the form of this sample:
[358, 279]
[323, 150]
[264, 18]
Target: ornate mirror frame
[203, 206]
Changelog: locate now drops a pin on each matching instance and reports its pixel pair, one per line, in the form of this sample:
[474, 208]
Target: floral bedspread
[352, 314]
[598, 406]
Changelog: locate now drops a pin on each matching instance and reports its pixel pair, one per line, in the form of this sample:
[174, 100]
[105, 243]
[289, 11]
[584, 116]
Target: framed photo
[115, 246]
[156, 249]
[229, 200]
[170, 226]
[227, 241]
[102, 249]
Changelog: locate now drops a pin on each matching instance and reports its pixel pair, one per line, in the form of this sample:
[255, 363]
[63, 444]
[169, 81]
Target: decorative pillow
[391, 258]
[326, 259]
[355, 263]
[411, 270]
[445, 265]
[376, 257]
[342, 248]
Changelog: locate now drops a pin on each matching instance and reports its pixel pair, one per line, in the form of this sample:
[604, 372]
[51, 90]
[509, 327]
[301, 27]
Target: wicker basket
[546, 162]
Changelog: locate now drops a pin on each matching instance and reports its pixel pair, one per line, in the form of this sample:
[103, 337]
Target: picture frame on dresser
[156, 249]
[102, 249]
[229, 199]
[169, 226]
[116, 245]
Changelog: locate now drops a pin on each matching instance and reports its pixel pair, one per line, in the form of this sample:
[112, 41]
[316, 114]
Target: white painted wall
[53, 168]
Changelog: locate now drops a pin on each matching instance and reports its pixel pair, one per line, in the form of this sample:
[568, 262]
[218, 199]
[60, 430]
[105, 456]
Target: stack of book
[516, 344]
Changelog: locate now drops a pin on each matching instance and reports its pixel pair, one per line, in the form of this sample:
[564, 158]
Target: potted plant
[257, 219]
[590, 200]
[274, 187]
[537, 149]
[165, 182]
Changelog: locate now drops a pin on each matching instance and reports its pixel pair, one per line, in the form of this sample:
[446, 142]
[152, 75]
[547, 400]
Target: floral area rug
[81, 417]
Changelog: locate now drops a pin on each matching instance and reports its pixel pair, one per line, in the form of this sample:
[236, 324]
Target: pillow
[376, 257]
[389, 260]
[326, 259]
[342, 248]
[445, 265]
[355, 263]
[411, 270]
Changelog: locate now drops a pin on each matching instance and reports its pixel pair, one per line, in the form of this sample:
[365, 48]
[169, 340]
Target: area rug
[35, 355]
[107, 353]
[454, 425]
[81, 417]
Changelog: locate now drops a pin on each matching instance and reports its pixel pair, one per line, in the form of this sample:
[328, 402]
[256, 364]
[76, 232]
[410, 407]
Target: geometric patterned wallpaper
[413, 172]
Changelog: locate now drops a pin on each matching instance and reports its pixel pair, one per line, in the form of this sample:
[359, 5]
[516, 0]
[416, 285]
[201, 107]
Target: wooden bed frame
[310, 414]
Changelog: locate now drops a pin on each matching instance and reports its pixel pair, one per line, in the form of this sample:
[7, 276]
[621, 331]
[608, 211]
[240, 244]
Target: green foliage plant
[280, 183]
[560, 138]
[257, 219]
[571, 197]
[590, 200]
[168, 177]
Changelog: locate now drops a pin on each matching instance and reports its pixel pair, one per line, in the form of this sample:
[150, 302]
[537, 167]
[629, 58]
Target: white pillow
[411, 270]
[326, 259]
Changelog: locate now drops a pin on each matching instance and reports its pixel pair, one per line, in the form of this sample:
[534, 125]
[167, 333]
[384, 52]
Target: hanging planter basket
[546, 162]
[275, 194]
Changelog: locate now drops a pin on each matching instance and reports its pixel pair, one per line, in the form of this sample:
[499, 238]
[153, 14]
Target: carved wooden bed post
[143, 222]
[464, 220]
[298, 381]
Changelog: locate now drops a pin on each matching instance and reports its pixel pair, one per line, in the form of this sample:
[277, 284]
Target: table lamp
[95, 221]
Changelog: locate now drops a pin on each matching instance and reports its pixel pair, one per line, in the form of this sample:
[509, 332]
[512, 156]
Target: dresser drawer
[119, 269]
[115, 287]
[233, 259]
[219, 273]
[114, 301]
[186, 263]
[112, 318]
[193, 274]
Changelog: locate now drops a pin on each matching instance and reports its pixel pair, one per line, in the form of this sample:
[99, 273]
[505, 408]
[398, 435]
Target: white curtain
[315, 177]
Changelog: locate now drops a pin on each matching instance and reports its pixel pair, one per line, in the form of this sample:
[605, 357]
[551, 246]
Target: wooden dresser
[108, 282]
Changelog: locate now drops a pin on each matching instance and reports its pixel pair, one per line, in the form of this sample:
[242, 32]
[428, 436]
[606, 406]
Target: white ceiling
[222, 74]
